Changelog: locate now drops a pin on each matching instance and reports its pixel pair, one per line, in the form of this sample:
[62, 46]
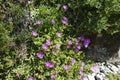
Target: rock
[105, 70]
[99, 77]
[113, 68]
[118, 66]
[103, 75]
[91, 77]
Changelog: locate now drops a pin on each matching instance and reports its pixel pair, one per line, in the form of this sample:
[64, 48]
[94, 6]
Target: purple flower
[57, 46]
[73, 61]
[58, 34]
[86, 42]
[53, 21]
[44, 46]
[48, 42]
[68, 46]
[65, 7]
[66, 67]
[52, 76]
[34, 33]
[95, 68]
[82, 38]
[65, 20]
[30, 78]
[82, 64]
[83, 78]
[78, 46]
[39, 22]
[76, 40]
[49, 64]
[80, 71]
[70, 42]
[76, 50]
[40, 55]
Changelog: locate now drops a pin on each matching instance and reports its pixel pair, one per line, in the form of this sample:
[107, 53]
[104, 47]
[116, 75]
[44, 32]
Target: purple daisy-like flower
[68, 46]
[65, 7]
[78, 46]
[82, 64]
[49, 64]
[44, 46]
[82, 38]
[39, 22]
[70, 42]
[86, 42]
[66, 67]
[30, 78]
[81, 71]
[40, 55]
[76, 40]
[73, 61]
[53, 21]
[65, 20]
[57, 46]
[83, 78]
[52, 76]
[58, 34]
[48, 42]
[76, 50]
[95, 68]
[34, 33]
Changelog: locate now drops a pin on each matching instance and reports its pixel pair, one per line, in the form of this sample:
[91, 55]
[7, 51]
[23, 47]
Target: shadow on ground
[107, 47]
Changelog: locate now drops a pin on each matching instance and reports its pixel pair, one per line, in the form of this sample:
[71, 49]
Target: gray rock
[118, 66]
[118, 69]
[114, 68]
[91, 77]
[105, 70]
[99, 77]
[103, 75]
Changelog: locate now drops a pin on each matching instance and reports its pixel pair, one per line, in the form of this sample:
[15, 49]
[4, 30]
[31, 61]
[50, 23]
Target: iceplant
[34, 33]
[64, 20]
[31, 78]
[86, 42]
[40, 55]
[52, 21]
[49, 64]
[65, 7]
[66, 67]
[39, 22]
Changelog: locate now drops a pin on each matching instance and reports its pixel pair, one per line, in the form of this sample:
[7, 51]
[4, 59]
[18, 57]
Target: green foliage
[19, 47]
[113, 77]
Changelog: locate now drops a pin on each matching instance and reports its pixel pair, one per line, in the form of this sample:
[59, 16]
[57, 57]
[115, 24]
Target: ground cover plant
[44, 40]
